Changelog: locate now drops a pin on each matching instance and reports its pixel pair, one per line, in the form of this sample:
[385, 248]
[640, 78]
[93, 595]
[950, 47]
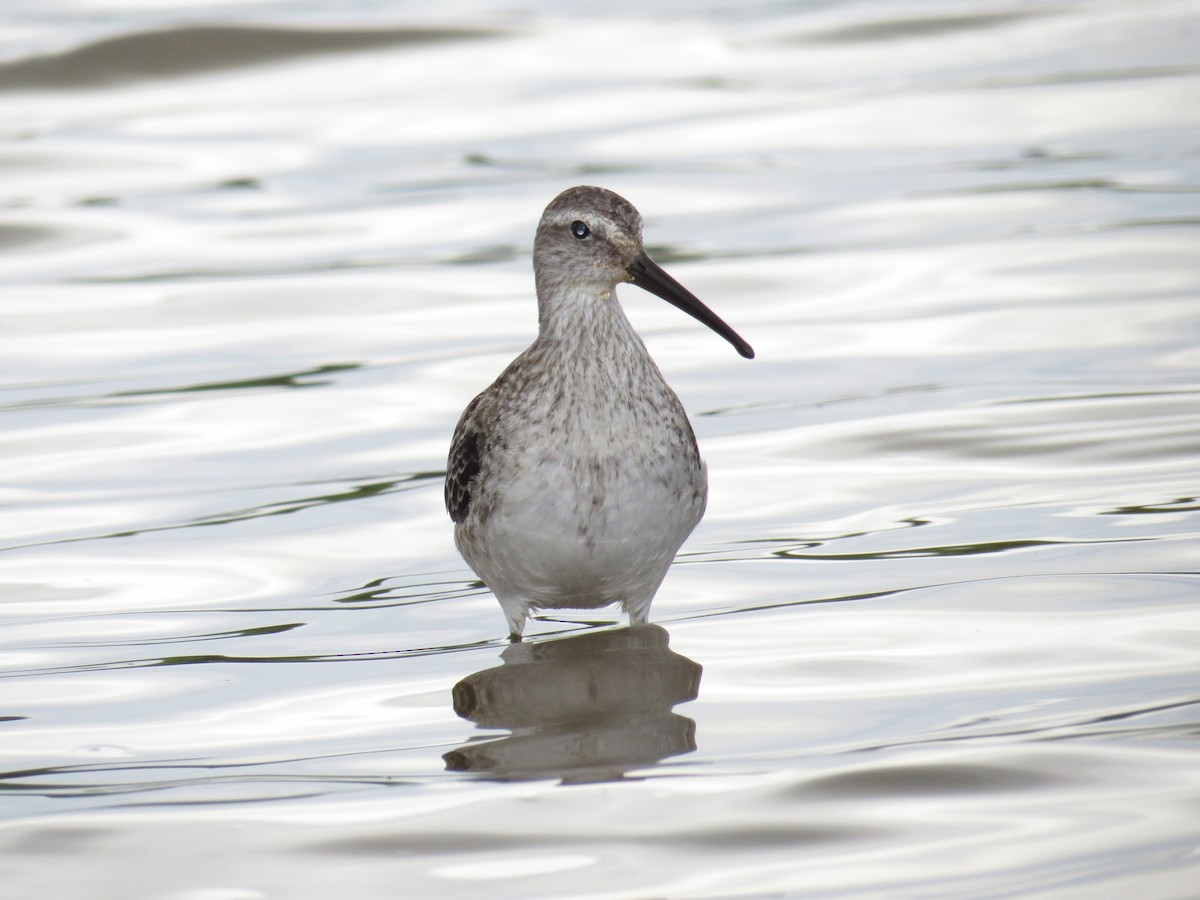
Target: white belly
[562, 539]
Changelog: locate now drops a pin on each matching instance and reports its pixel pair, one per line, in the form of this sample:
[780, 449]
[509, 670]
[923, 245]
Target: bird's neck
[588, 324]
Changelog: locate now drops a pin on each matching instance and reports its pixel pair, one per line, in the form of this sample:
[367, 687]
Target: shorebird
[575, 477]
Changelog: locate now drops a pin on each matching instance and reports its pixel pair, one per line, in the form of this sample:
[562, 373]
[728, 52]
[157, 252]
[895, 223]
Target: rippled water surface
[938, 634]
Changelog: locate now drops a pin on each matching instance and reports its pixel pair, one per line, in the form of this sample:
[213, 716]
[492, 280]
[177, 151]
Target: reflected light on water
[945, 592]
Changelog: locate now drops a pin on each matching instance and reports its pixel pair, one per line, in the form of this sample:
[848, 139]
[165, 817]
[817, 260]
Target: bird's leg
[639, 612]
[516, 613]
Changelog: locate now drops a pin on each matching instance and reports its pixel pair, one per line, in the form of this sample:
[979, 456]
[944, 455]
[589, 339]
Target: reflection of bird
[575, 477]
[584, 708]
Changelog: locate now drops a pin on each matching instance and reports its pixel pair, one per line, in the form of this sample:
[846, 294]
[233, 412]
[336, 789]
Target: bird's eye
[580, 230]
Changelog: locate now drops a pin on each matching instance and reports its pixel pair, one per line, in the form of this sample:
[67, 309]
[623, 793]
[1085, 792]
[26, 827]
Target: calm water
[939, 633]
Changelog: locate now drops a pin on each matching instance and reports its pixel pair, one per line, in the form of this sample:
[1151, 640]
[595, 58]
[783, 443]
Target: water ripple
[191, 49]
[937, 633]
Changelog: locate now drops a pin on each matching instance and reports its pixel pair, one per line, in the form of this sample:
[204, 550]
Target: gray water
[938, 634]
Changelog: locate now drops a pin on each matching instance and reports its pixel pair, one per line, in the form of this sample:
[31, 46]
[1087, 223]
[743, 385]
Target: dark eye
[580, 230]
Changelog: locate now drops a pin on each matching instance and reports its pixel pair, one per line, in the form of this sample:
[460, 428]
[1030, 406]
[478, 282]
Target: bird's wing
[463, 464]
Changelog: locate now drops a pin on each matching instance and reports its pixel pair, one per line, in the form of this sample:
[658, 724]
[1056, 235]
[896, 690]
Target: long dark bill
[648, 275]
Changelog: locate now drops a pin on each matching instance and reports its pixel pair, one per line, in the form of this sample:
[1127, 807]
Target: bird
[575, 477]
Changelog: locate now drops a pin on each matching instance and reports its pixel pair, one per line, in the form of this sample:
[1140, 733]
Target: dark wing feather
[463, 464]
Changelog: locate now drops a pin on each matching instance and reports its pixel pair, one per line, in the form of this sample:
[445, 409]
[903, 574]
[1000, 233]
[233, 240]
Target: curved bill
[646, 274]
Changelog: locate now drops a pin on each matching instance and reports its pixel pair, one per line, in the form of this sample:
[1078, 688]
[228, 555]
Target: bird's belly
[568, 537]
[564, 571]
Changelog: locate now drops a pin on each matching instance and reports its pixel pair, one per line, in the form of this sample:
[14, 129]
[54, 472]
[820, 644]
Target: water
[938, 634]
